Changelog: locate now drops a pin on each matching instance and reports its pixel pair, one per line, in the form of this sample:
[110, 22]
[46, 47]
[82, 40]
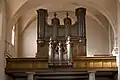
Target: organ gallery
[61, 52]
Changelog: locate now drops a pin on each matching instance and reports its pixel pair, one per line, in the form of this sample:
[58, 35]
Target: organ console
[59, 42]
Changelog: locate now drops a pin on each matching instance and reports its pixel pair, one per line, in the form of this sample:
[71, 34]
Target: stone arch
[26, 7]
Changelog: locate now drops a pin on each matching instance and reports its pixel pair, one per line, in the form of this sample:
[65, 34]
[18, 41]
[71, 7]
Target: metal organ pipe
[60, 53]
[51, 50]
[69, 50]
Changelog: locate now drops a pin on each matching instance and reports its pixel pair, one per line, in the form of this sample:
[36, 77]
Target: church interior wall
[28, 40]
[24, 10]
[97, 39]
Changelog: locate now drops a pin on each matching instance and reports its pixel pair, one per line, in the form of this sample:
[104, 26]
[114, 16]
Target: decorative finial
[55, 14]
[67, 14]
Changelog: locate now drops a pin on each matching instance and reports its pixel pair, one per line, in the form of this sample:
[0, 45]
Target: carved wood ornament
[61, 42]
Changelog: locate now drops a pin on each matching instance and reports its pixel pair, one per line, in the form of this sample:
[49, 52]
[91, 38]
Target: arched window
[13, 35]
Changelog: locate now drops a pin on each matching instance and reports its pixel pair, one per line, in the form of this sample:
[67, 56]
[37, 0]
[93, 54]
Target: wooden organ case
[61, 43]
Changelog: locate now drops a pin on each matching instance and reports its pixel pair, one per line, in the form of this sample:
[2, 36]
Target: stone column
[91, 75]
[118, 34]
[30, 76]
[2, 39]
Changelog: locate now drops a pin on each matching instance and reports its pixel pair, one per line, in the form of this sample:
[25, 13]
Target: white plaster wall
[13, 6]
[28, 41]
[110, 6]
[97, 39]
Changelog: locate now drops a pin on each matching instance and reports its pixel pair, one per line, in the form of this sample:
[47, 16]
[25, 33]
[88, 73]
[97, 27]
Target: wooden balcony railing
[79, 63]
[96, 63]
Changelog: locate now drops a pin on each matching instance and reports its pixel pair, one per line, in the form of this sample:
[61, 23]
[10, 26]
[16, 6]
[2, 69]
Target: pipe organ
[60, 43]
[61, 51]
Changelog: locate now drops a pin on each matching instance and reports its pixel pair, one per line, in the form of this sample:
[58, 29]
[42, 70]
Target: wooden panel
[99, 63]
[78, 49]
[84, 63]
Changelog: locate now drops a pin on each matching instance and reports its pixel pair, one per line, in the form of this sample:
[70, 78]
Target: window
[13, 35]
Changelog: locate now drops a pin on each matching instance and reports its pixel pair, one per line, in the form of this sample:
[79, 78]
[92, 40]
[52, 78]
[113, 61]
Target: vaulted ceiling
[17, 9]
